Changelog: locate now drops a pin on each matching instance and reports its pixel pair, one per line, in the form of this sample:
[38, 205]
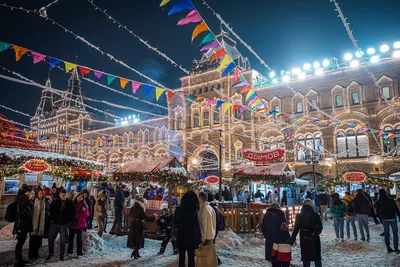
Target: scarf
[39, 217]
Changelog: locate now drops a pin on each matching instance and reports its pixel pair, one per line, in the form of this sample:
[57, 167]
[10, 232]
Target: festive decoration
[192, 17]
[184, 6]
[4, 46]
[123, 82]
[212, 179]
[202, 27]
[228, 69]
[19, 52]
[159, 92]
[69, 66]
[218, 54]
[36, 166]
[264, 156]
[211, 45]
[110, 79]
[37, 57]
[53, 62]
[170, 94]
[208, 39]
[164, 2]
[355, 177]
[84, 71]
[135, 87]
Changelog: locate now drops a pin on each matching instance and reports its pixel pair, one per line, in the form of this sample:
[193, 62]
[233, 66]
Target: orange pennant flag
[19, 52]
[170, 94]
[123, 82]
[202, 27]
[218, 54]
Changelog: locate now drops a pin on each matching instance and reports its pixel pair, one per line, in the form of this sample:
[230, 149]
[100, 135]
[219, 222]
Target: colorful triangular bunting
[19, 52]
[123, 82]
[202, 27]
[147, 90]
[84, 71]
[135, 87]
[110, 79]
[159, 92]
[192, 17]
[69, 66]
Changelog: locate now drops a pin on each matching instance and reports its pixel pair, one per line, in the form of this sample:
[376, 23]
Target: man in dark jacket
[387, 209]
[372, 210]
[322, 200]
[118, 211]
[362, 208]
[62, 214]
[166, 222]
[270, 228]
[309, 224]
[23, 224]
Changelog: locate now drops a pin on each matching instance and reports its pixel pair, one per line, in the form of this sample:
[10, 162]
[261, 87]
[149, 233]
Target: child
[166, 226]
[281, 249]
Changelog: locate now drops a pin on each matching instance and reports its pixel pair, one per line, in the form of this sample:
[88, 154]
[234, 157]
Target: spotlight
[348, 57]
[374, 59]
[384, 48]
[275, 80]
[358, 54]
[319, 72]
[285, 79]
[129, 117]
[272, 74]
[396, 45]
[325, 63]
[354, 63]
[396, 54]
[194, 161]
[295, 71]
[307, 66]
[371, 51]
[301, 76]
[316, 65]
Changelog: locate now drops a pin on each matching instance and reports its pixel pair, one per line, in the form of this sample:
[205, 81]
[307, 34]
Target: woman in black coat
[271, 225]
[136, 233]
[187, 227]
[309, 224]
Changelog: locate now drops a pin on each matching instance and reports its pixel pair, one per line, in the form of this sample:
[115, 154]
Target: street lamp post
[220, 166]
[313, 161]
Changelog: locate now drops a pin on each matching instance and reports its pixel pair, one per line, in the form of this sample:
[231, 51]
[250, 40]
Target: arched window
[313, 105]
[299, 106]
[391, 143]
[274, 142]
[314, 145]
[196, 120]
[206, 118]
[194, 92]
[238, 116]
[351, 145]
[216, 116]
[200, 90]
[355, 98]
[277, 108]
[386, 92]
[339, 101]
[206, 89]
[179, 123]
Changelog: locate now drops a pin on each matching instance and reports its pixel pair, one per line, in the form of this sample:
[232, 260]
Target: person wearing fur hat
[78, 225]
[309, 224]
[166, 222]
[41, 214]
[137, 216]
[100, 212]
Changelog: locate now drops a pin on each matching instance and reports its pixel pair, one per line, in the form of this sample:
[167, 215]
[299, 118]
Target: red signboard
[212, 179]
[36, 165]
[355, 177]
[264, 156]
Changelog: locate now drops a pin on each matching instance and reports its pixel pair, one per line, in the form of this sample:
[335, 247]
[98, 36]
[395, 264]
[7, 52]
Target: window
[200, 90]
[299, 106]
[196, 120]
[216, 117]
[386, 92]
[277, 108]
[194, 92]
[355, 98]
[314, 145]
[313, 104]
[274, 142]
[351, 145]
[206, 118]
[390, 144]
[237, 114]
[339, 101]
[219, 86]
[179, 123]
[206, 89]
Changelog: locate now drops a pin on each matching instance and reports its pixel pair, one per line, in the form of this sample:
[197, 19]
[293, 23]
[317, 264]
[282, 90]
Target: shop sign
[212, 179]
[264, 156]
[355, 177]
[36, 166]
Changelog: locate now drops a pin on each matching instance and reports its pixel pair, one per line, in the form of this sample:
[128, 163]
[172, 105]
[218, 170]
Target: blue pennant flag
[53, 62]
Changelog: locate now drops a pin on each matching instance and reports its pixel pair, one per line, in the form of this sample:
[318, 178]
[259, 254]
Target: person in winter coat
[284, 198]
[226, 194]
[40, 216]
[208, 220]
[271, 224]
[259, 195]
[362, 208]
[166, 222]
[387, 209]
[23, 224]
[159, 196]
[372, 210]
[148, 195]
[338, 208]
[281, 248]
[119, 202]
[82, 212]
[350, 215]
[322, 199]
[275, 197]
[89, 220]
[62, 213]
[187, 227]
[136, 232]
[101, 212]
[309, 224]
[71, 195]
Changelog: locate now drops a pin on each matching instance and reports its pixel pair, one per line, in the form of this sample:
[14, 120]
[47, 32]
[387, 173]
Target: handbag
[206, 256]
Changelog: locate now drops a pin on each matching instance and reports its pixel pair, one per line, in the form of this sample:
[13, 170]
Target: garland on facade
[370, 181]
[163, 177]
[268, 179]
[10, 172]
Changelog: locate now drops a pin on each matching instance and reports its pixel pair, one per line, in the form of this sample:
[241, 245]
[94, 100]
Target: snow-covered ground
[232, 249]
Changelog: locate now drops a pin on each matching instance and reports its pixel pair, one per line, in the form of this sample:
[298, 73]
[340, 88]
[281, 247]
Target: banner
[212, 179]
[355, 177]
[264, 156]
[36, 165]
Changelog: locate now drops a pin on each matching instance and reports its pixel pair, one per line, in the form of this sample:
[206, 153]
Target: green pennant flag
[4, 46]
[191, 98]
[110, 79]
[208, 39]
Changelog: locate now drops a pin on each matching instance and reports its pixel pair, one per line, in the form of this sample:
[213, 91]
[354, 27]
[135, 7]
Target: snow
[6, 232]
[233, 250]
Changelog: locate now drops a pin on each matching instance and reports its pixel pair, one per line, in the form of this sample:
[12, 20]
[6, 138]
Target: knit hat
[308, 202]
[26, 188]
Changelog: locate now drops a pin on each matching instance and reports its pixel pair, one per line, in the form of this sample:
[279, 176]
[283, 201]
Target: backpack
[221, 224]
[350, 208]
[11, 212]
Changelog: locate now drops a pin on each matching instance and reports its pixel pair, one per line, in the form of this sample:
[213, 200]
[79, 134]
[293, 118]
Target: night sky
[285, 33]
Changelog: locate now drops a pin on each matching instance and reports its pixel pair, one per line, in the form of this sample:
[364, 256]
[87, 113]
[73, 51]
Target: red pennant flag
[218, 54]
[235, 107]
[245, 89]
[83, 71]
[170, 94]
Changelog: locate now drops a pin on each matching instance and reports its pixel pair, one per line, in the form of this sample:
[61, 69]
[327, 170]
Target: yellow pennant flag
[159, 92]
[123, 82]
[198, 98]
[258, 101]
[224, 63]
[249, 94]
[69, 66]
[227, 106]
[164, 2]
